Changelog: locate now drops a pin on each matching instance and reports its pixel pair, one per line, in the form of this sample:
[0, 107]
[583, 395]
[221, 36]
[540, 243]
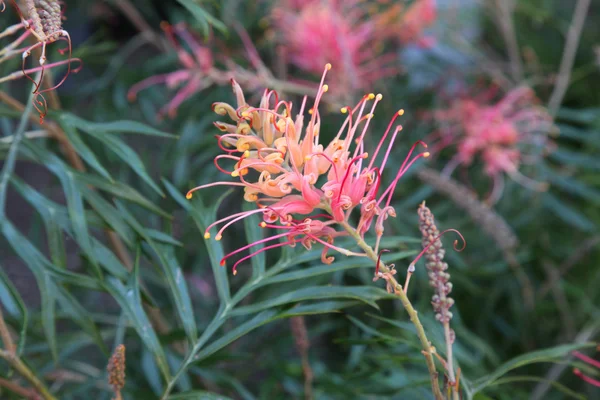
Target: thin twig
[21, 391]
[15, 362]
[140, 23]
[568, 58]
[507, 27]
[40, 133]
[9, 344]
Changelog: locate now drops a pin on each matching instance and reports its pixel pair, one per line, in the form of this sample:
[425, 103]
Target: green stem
[412, 313]
[17, 364]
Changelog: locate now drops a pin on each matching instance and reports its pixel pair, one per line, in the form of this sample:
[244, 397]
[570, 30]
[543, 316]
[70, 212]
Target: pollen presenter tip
[401, 111]
[218, 237]
[327, 66]
[344, 110]
[325, 88]
[426, 154]
[379, 96]
[207, 235]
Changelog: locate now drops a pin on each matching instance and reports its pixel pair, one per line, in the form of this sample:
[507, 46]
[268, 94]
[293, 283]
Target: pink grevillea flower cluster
[304, 189]
[202, 68]
[503, 135]
[314, 31]
[591, 362]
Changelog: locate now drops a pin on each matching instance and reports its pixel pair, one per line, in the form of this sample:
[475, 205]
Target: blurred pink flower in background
[315, 32]
[503, 135]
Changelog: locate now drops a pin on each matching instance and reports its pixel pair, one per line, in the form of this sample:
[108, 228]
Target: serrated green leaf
[203, 17]
[84, 151]
[120, 190]
[199, 395]
[37, 265]
[568, 214]
[130, 301]
[366, 294]
[553, 354]
[14, 305]
[203, 216]
[122, 126]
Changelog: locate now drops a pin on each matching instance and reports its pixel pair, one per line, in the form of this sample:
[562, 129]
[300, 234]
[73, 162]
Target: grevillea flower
[304, 188]
[503, 135]
[315, 32]
[591, 362]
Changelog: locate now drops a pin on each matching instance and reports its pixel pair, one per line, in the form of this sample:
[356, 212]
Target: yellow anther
[235, 272]
[188, 195]
[344, 110]
[245, 114]
[310, 111]
[307, 158]
[218, 237]
[379, 96]
[235, 174]
[371, 96]
[401, 111]
[325, 88]
[327, 66]
[246, 154]
[369, 116]
[365, 155]
[263, 224]
[426, 154]
[207, 235]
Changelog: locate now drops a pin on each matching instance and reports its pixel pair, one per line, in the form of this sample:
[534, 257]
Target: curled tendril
[432, 242]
